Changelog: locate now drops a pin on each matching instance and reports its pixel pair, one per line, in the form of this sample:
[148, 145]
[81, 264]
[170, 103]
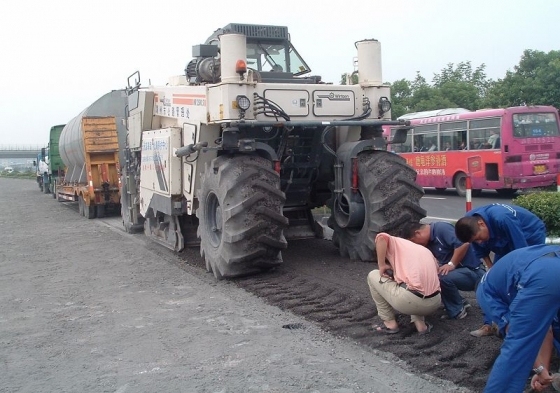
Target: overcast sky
[59, 56]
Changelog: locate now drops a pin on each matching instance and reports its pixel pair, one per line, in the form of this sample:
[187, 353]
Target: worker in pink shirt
[407, 281]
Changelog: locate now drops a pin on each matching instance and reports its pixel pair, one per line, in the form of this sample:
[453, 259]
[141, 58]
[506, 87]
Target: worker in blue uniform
[498, 228]
[522, 296]
[459, 268]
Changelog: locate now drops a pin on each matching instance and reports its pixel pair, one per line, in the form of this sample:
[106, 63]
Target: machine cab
[269, 52]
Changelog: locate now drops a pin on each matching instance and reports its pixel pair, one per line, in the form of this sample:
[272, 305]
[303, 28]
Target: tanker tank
[71, 146]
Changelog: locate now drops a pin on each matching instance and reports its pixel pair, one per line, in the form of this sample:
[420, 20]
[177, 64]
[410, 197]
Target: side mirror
[400, 135]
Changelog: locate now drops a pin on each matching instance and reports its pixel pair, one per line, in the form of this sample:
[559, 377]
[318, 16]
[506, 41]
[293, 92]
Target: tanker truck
[235, 154]
[89, 149]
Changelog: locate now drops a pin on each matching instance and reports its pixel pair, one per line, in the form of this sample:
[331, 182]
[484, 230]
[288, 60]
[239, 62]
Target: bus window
[454, 140]
[485, 133]
[452, 134]
[425, 138]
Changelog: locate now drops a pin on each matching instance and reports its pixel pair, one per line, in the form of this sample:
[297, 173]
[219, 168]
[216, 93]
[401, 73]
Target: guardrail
[21, 147]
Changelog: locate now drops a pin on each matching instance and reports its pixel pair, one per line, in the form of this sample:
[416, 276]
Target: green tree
[353, 78]
[534, 81]
[461, 85]
[463, 73]
[455, 86]
[401, 95]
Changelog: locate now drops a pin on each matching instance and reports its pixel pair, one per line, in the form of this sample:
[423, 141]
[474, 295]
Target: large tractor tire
[240, 216]
[391, 200]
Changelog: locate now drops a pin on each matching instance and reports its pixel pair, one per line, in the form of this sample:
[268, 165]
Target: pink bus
[501, 149]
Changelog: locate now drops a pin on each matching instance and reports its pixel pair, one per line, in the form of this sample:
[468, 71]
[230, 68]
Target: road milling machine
[234, 155]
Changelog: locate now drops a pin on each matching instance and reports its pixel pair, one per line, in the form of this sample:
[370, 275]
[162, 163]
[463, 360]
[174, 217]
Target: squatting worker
[521, 293]
[414, 289]
[498, 228]
[459, 268]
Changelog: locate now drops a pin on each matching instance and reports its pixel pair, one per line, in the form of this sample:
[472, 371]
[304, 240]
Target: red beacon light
[241, 67]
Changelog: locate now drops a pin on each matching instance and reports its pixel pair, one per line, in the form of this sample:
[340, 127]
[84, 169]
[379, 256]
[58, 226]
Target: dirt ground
[87, 307]
[330, 291]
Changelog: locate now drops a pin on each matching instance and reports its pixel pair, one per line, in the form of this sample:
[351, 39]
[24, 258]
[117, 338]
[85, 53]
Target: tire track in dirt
[314, 282]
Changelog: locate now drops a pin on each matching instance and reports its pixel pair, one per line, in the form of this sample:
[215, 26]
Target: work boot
[485, 330]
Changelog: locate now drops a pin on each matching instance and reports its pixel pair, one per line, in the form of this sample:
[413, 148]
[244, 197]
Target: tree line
[534, 81]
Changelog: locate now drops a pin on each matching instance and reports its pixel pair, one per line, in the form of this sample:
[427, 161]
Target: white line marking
[442, 218]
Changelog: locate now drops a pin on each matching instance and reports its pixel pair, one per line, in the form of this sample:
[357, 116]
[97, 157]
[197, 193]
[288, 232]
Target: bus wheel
[441, 189]
[506, 192]
[460, 184]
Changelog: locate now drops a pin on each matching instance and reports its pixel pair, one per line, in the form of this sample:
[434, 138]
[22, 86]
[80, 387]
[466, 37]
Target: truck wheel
[81, 205]
[240, 216]
[89, 211]
[100, 211]
[391, 200]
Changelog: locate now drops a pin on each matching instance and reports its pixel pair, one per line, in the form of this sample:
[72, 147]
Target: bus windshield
[527, 125]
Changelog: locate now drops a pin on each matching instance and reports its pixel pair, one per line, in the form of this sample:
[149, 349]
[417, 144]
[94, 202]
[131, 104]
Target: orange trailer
[96, 187]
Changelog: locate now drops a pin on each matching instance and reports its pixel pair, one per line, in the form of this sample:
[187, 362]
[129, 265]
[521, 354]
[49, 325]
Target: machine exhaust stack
[232, 48]
[369, 63]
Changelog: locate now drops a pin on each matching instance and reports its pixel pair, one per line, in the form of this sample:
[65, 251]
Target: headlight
[384, 105]
[243, 102]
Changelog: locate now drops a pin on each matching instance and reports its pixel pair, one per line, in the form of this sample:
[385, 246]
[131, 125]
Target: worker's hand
[383, 270]
[541, 381]
[444, 269]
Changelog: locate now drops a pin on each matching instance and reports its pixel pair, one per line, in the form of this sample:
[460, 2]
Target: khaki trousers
[388, 297]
